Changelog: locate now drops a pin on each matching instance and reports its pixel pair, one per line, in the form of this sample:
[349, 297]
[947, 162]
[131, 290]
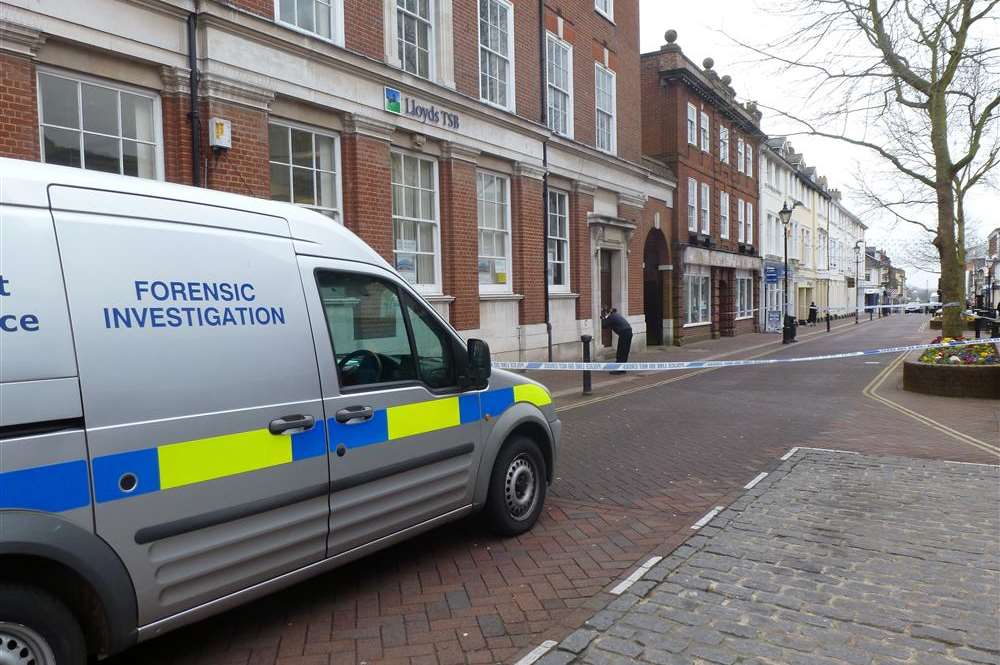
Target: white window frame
[431, 39]
[111, 85]
[507, 286]
[608, 13]
[705, 132]
[511, 100]
[692, 205]
[749, 233]
[692, 124]
[744, 295]
[338, 210]
[749, 168]
[740, 221]
[740, 155]
[706, 209]
[724, 215]
[549, 85]
[336, 21]
[598, 70]
[697, 274]
[435, 287]
[723, 144]
[559, 288]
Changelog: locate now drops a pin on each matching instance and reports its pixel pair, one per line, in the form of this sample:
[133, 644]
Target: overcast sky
[702, 28]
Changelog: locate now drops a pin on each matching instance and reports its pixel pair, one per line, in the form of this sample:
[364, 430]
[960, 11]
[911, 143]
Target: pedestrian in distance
[610, 318]
[813, 313]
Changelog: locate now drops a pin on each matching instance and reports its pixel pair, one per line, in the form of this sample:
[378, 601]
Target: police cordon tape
[711, 364]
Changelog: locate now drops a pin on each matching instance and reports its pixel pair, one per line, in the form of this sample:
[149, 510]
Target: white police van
[206, 397]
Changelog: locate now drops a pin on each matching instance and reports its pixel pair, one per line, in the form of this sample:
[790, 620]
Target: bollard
[871, 315]
[979, 326]
[828, 320]
[585, 339]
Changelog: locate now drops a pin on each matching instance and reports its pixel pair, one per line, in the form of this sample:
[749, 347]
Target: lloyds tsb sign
[396, 102]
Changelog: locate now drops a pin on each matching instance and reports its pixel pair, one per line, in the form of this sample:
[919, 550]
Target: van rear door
[200, 391]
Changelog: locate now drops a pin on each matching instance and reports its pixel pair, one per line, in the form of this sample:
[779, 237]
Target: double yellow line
[871, 391]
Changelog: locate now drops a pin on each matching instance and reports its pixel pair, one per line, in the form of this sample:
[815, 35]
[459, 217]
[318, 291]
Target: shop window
[493, 205]
[496, 52]
[97, 126]
[558, 246]
[697, 295]
[415, 232]
[304, 168]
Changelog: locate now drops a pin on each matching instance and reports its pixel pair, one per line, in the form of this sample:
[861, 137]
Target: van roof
[25, 183]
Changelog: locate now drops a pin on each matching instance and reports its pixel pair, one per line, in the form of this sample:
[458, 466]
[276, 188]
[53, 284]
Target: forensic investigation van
[206, 397]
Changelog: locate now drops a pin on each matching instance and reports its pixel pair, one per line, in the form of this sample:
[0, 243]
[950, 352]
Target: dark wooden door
[605, 292]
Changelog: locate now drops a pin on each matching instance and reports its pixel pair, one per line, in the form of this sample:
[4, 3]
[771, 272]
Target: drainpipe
[545, 174]
[194, 115]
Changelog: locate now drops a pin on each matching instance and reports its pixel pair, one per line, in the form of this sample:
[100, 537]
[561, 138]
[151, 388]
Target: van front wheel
[517, 487]
[37, 629]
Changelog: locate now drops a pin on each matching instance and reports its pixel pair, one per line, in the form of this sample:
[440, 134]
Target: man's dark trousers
[624, 346]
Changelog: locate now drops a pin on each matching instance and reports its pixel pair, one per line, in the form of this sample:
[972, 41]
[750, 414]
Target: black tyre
[517, 487]
[37, 629]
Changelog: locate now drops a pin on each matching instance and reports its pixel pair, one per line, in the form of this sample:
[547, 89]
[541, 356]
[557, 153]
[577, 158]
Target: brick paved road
[636, 471]
[834, 558]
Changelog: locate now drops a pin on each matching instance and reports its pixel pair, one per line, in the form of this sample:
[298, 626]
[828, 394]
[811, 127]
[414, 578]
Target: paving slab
[833, 558]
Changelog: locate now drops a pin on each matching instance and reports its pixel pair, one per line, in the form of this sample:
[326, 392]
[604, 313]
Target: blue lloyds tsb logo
[393, 101]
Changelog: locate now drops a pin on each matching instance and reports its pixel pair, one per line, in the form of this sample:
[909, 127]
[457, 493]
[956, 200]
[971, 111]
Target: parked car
[207, 397]
[913, 307]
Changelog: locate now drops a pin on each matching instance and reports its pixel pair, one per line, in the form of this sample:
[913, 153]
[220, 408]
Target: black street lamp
[788, 329]
[858, 250]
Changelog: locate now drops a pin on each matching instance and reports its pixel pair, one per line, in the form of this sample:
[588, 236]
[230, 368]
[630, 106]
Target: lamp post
[857, 279]
[788, 329]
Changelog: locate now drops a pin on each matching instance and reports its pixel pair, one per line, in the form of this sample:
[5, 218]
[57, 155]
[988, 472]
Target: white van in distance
[206, 397]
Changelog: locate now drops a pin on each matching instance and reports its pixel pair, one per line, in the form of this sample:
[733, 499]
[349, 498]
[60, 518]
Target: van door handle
[285, 423]
[354, 413]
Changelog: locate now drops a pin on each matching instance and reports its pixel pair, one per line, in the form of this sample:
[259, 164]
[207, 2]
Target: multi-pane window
[724, 214]
[705, 125]
[692, 205]
[749, 168]
[559, 67]
[98, 127]
[740, 156]
[304, 169]
[697, 295]
[606, 7]
[493, 205]
[415, 219]
[692, 125]
[749, 240]
[414, 32]
[605, 79]
[744, 295]
[724, 144]
[320, 17]
[741, 221]
[558, 248]
[495, 50]
[706, 217]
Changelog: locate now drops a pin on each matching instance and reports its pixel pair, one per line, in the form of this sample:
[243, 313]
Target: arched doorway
[655, 257]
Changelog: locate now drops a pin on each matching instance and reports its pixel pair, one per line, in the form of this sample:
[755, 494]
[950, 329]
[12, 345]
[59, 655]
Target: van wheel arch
[539, 436]
[67, 586]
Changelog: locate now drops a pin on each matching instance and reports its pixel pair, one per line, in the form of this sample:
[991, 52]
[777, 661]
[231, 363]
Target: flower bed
[972, 370]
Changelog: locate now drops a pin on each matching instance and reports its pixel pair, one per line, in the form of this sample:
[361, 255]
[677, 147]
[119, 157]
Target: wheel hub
[520, 488]
[20, 645]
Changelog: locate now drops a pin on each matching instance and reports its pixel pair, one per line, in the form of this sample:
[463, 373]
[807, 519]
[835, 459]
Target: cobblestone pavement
[637, 470]
[833, 558]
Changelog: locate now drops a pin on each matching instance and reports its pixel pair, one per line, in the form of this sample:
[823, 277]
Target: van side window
[433, 346]
[371, 344]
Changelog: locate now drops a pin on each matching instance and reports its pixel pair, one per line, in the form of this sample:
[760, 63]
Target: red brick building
[487, 149]
[692, 123]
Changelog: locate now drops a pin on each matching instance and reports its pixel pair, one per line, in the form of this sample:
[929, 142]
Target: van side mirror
[479, 367]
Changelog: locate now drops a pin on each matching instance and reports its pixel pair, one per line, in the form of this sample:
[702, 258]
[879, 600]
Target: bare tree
[917, 82]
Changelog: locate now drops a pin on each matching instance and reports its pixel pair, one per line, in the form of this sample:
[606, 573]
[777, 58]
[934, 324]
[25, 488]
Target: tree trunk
[952, 263]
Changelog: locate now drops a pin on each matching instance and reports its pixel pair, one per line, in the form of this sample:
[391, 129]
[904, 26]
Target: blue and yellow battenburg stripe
[65, 486]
